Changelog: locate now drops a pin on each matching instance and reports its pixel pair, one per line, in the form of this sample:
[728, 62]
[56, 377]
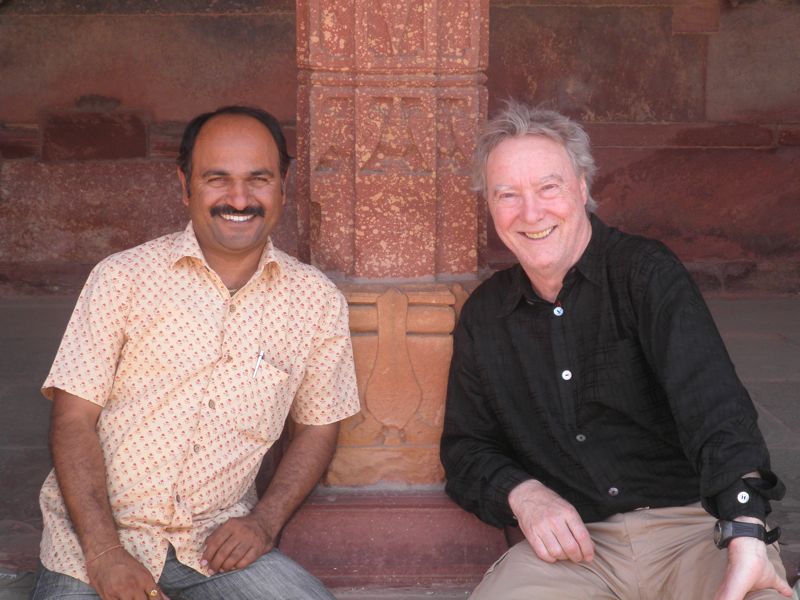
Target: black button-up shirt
[617, 396]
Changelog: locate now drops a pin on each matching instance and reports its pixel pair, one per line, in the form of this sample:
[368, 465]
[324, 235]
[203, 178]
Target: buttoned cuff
[748, 497]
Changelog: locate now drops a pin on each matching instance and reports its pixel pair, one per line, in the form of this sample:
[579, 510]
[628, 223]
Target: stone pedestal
[390, 97]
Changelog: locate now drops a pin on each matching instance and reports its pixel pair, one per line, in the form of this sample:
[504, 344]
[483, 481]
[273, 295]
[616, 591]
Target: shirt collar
[590, 265]
[592, 262]
[186, 246]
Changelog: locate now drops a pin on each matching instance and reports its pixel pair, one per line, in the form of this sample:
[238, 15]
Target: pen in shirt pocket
[258, 362]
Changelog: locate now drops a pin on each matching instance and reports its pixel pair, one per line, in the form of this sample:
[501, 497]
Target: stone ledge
[390, 538]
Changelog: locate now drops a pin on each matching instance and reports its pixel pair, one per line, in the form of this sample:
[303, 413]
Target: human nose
[238, 194]
[532, 209]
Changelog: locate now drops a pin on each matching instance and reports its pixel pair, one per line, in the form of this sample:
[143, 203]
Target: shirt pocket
[266, 403]
[616, 376]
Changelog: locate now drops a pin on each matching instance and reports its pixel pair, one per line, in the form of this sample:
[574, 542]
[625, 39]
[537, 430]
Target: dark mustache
[218, 211]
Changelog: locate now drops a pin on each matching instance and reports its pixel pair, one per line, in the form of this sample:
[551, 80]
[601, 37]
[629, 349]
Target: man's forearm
[80, 469]
[301, 467]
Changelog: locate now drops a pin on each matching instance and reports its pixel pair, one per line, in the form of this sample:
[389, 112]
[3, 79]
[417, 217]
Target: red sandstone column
[390, 95]
[389, 101]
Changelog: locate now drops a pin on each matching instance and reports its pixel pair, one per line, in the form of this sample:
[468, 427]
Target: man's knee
[273, 576]
[49, 585]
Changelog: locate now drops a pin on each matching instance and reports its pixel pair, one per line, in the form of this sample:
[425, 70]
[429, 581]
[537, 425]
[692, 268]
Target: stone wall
[692, 107]
[691, 104]
[93, 99]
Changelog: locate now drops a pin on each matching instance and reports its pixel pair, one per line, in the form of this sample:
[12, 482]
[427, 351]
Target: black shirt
[617, 396]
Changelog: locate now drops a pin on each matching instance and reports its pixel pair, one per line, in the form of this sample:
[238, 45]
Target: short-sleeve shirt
[195, 385]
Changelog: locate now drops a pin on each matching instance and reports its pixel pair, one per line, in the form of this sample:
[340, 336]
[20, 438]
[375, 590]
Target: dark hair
[195, 125]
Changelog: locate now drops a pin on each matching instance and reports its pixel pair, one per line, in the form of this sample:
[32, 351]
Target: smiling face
[538, 204]
[234, 195]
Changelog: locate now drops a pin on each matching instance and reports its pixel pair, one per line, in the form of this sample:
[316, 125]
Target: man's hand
[749, 569]
[236, 543]
[119, 576]
[551, 525]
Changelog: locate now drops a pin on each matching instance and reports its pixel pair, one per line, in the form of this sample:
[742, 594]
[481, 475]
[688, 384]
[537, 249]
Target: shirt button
[580, 437]
[232, 308]
[612, 491]
[566, 375]
[197, 447]
[177, 498]
[228, 358]
[211, 404]
[558, 311]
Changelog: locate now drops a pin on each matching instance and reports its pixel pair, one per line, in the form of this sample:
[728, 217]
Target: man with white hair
[592, 403]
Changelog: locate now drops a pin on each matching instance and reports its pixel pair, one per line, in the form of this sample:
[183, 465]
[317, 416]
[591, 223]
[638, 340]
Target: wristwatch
[725, 531]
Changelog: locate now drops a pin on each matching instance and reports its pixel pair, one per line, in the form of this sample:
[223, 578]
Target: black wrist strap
[772, 536]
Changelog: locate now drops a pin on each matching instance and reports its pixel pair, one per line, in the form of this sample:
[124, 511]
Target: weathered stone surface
[362, 466]
[165, 139]
[395, 185]
[94, 135]
[457, 205]
[135, 7]
[789, 136]
[705, 203]
[81, 212]
[392, 94]
[19, 141]
[620, 3]
[390, 539]
[176, 66]
[19, 550]
[34, 278]
[603, 73]
[752, 64]
[695, 19]
[76, 213]
[680, 135]
[402, 350]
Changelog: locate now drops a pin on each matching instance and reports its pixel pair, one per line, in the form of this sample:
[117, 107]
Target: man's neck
[234, 270]
[547, 289]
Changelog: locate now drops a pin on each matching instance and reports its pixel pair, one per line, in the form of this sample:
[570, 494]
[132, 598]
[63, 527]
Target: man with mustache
[181, 362]
[592, 403]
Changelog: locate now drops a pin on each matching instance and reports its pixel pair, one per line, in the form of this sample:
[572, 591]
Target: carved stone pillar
[390, 95]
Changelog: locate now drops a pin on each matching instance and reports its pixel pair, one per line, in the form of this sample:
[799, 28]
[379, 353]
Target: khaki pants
[650, 554]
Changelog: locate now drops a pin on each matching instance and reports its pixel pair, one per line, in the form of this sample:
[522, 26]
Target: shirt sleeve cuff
[507, 481]
[746, 497]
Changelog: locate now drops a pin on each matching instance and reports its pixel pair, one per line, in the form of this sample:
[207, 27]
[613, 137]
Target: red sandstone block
[752, 64]
[673, 135]
[626, 64]
[789, 136]
[93, 136]
[706, 204]
[695, 19]
[80, 212]
[19, 141]
[174, 66]
[33, 278]
[165, 138]
[158, 7]
[354, 538]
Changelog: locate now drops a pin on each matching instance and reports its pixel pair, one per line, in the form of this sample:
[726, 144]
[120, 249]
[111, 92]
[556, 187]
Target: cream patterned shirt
[157, 340]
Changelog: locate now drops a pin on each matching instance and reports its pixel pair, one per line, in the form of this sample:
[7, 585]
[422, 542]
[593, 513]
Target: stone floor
[762, 334]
